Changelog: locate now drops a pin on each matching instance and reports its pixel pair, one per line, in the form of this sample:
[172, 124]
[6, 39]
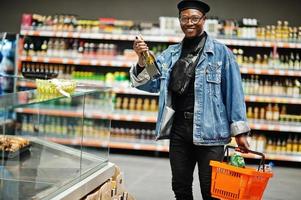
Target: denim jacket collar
[207, 49]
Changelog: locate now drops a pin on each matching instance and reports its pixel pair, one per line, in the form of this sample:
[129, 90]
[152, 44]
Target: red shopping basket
[236, 183]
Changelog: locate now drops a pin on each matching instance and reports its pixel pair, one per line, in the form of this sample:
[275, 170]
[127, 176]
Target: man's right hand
[139, 47]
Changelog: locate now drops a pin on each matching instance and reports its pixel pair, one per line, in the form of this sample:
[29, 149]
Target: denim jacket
[219, 106]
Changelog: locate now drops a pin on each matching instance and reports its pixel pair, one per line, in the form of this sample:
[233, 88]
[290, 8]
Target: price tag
[259, 44]
[257, 126]
[290, 73]
[143, 119]
[136, 146]
[116, 117]
[281, 72]
[76, 61]
[244, 70]
[94, 62]
[65, 60]
[104, 144]
[103, 63]
[115, 37]
[34, 59]
[115, 63]
[46, 60]
[89, 115]
[107, 36]
[65, 34]
[271, 72]
[252, 98]
[30, 33]
[257, 71]
[75, 35]
[271, 127]
[128, 117]
[59, 34]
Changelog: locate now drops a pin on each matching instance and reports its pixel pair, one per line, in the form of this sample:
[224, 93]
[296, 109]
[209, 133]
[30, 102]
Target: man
[201, 79]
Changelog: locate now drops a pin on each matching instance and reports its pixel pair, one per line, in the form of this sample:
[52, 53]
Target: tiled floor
[149, 178]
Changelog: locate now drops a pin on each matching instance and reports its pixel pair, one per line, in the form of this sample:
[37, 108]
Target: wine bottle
[150, 63]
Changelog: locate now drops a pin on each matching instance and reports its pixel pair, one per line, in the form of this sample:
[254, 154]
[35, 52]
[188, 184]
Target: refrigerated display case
[33, 165]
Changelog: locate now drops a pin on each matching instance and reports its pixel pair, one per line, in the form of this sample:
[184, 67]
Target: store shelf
[97, 61]
[279, 157]
[158, 38]
[96, 142]
[265, 125]
[272, 99]
[151, 117]
[245, 69]
[88, 83]
[102, 36]
[152, 146]
[133, 116]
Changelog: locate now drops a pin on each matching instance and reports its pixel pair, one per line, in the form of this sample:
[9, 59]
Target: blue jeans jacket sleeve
[234, 97]
[142, 81]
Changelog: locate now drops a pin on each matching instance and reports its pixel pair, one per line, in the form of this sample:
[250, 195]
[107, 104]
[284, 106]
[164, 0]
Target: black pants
[183, 157]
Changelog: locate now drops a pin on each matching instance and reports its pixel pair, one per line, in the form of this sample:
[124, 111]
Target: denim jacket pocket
[213, 78]
[213, 73]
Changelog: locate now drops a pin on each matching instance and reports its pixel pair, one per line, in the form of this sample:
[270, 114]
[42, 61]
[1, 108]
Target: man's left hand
[242, 142]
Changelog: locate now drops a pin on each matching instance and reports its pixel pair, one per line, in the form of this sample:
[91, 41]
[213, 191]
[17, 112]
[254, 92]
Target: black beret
[199, 5]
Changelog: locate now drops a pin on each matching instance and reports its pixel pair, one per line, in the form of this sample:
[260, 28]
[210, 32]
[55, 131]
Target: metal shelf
[158, 38]
[113, 61]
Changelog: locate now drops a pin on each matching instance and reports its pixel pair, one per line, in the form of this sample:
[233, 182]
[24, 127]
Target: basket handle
[246, 151]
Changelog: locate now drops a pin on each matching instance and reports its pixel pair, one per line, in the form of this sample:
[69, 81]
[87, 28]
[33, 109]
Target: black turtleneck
[185, 102]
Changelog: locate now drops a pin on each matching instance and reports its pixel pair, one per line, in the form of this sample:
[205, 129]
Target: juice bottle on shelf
[240, 53]
[296, 88]
[268, 32]
[132, 104]
[285, 31]
[146, 104]
[299, 145]
[44, 47]
[125, 103]
[279, 30]
[273, 33]
[289, 144]
[283, 146]
[261, 143]
[261, 87]
[118, 103]
[256, 85]
[31, 49]
[250, 113]
[153, 105]
[262, 113]
[269, 112]
[291, 33]
[278, 145]
[299, 33]
[253, 141]
[251, 61]
[295, 145]
[256, 113]
[276, 112]
[258, 61]
[269, 145]
[252, 83]
[139, 104]
[297, 63]
[265, 61]
[291, 61]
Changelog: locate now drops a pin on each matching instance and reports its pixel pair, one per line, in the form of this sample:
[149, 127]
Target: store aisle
[148, 178]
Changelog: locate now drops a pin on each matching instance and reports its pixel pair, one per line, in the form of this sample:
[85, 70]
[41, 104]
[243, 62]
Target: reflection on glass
[49, 165]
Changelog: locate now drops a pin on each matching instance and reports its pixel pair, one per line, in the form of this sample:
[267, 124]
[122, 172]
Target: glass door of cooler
[42, 152]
